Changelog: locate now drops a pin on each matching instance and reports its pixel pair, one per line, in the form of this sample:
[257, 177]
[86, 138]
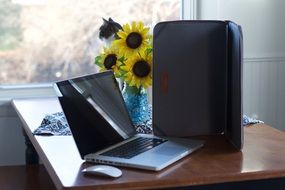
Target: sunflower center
[110, 60]
[134, 40]
[141, 68]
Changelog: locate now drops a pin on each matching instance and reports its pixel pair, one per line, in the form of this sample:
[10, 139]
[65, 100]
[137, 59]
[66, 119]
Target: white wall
[263, 27]
[12, 142]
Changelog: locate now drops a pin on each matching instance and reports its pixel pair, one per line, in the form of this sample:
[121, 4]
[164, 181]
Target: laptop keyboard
[134, 147]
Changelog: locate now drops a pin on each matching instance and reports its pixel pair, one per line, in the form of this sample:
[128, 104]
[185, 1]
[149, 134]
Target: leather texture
[197, 79]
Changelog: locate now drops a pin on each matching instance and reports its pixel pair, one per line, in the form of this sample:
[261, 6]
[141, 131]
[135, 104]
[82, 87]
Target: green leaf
[122, 59]
[98, 61]
[148, 51]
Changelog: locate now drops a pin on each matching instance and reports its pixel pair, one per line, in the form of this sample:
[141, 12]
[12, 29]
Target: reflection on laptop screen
[105, 96]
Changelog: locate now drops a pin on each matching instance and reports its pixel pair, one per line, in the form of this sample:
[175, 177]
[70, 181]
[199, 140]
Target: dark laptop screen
[95, 110]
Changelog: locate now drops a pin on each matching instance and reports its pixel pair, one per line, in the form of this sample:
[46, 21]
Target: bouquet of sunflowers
[129, 55]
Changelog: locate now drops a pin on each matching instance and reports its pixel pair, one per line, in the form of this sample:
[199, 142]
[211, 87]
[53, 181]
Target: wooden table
[263, 157]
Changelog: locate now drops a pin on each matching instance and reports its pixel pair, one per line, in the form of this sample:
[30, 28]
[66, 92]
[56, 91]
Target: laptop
[103, 131]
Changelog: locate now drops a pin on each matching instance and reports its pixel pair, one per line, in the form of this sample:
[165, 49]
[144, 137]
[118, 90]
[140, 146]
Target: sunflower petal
[127, 28]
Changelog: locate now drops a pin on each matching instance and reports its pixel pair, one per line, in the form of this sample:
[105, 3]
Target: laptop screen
[95, 111]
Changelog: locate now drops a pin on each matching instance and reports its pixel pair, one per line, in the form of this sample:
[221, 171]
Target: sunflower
[138, 70]
[109, 60]
[133, 39]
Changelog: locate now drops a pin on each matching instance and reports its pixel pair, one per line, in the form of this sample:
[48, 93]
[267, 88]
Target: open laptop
[103, 131]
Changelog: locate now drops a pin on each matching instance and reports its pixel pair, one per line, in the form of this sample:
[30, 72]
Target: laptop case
[234, 128]
[197, 79]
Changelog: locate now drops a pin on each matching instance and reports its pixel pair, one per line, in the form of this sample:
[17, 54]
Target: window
[48, 40]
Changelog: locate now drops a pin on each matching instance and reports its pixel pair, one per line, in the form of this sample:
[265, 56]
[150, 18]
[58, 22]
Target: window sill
[9, 92]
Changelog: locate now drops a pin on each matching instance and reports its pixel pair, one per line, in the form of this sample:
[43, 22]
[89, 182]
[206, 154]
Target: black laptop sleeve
[197, 76]
[234, 128]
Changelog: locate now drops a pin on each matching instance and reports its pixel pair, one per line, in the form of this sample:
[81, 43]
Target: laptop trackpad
[168, 150]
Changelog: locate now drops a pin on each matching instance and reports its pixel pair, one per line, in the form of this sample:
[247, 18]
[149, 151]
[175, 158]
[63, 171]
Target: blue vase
[138, 107]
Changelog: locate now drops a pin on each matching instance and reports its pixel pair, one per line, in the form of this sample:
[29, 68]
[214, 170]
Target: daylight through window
[49, 40]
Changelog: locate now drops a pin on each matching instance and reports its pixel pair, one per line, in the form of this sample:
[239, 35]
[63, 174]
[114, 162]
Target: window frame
[189, 9]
